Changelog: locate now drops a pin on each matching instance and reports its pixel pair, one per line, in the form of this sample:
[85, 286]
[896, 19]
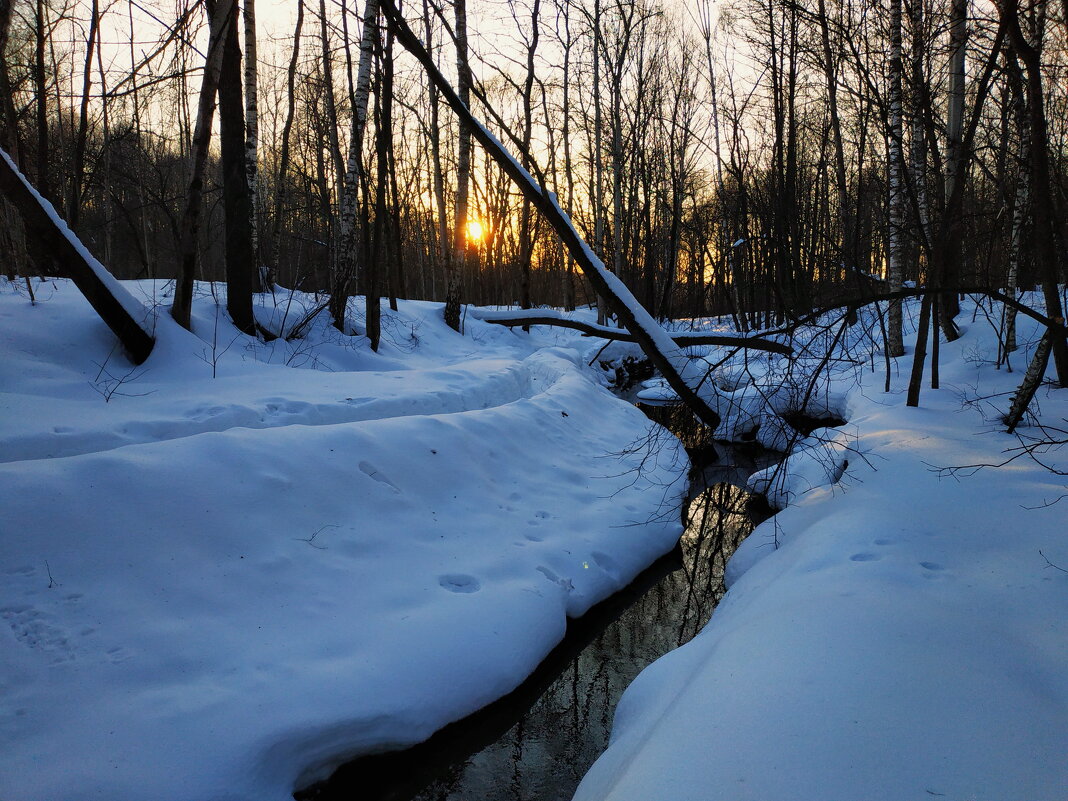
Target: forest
[753, 159]
[533, 399]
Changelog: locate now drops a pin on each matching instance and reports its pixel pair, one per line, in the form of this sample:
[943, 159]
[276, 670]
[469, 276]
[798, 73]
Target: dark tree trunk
[74, 207]
[237, 201]
[221, 15]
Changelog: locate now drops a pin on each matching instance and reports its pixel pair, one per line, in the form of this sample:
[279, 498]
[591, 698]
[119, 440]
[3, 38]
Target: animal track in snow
[865, 557]
[34, 631]
[459, 582]
[605, 562]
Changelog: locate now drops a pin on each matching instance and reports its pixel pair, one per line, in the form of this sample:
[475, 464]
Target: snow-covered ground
[902, 634]
[243, 561]
[240, 562]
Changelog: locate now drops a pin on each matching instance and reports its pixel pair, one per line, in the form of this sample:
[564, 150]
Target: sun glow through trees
[475, 232]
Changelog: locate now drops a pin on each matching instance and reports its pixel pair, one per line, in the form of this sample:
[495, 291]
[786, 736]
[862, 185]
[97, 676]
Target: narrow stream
[544, 756]
[537, 743]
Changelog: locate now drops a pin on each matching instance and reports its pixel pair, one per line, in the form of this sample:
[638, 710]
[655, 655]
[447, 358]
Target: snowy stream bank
[241, 563]
[537, 742]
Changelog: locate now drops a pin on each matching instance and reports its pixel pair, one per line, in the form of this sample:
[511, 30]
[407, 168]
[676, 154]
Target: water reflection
[544, 756]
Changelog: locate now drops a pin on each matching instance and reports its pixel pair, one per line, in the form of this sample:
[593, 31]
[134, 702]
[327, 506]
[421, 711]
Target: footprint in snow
[865, 557]
[605, 562]
[459, 582]
[932, 566]
[33, 629]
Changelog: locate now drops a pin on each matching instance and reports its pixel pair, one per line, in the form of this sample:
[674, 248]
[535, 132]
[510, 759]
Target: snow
[235, 565]
[229, 568]
[896, 632]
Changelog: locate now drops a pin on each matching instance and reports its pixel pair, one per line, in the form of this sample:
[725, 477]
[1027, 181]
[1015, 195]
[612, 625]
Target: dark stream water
[538, 742]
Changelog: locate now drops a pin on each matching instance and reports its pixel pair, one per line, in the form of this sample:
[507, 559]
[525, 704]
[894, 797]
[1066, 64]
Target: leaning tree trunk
[116, 307]
[1031, 381]
[690, 383]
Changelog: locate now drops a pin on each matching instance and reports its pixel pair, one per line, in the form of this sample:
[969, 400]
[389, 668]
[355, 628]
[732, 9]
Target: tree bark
[221, 19]
[895, 162]
[1045, 242]
[240, 257]
[955, 161]
[9, 135]
[454, 290]
[44, 184]
[74, 207]
[347, 265]
[1031, 381]
[252, 137]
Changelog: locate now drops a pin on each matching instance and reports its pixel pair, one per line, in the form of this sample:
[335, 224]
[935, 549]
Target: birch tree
[347, 268]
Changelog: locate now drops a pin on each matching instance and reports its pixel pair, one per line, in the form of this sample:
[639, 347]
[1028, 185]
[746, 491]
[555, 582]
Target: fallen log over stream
[513, 319]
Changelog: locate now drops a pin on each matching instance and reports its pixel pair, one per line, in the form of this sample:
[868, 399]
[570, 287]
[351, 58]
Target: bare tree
[221, 20]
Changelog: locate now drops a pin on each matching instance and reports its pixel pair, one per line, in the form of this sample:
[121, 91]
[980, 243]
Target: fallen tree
[122, 313]
[514, 318]
[689, 381]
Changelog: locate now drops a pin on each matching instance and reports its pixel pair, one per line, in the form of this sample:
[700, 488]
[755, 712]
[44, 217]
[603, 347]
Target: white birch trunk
[346, 256]
[1019, 219]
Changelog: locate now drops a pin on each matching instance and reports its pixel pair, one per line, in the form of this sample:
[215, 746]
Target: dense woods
[751, 159]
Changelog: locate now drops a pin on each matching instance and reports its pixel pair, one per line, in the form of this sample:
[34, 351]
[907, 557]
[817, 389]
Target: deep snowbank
[896, 636]
[213, 584]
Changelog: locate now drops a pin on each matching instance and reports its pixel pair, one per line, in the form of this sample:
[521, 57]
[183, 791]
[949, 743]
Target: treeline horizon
[756, 159]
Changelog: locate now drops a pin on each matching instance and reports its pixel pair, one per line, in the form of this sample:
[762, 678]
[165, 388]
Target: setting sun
[475, 231]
